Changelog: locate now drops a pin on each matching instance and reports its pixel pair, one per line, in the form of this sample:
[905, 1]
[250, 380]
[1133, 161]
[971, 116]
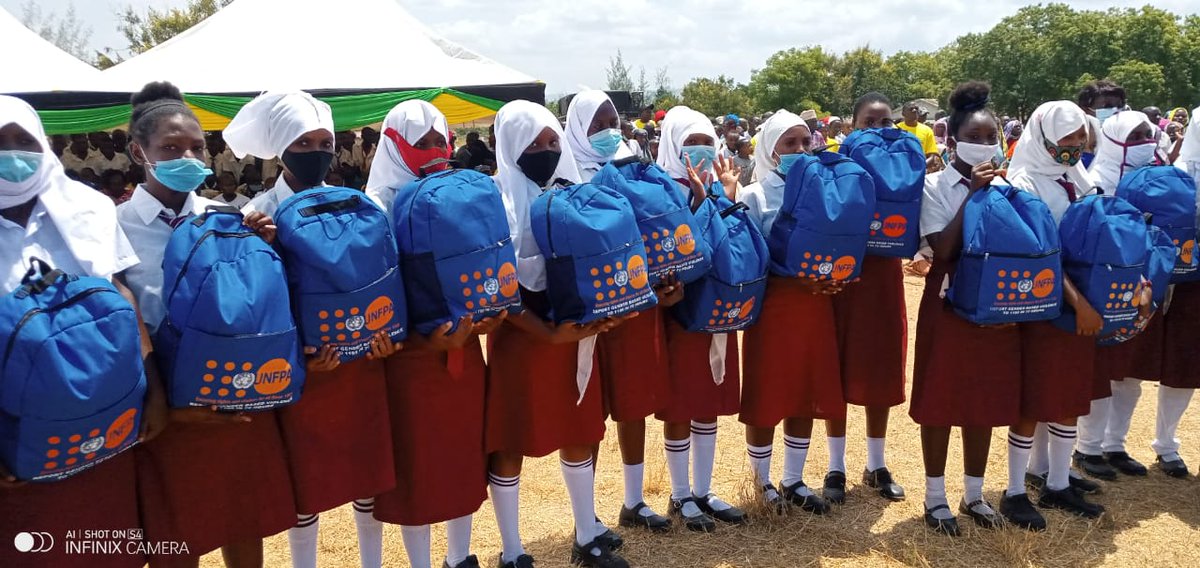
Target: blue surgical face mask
[706, 154]
[606, 142]
[786, 161]
[181, 174]
[1106, 113]
[17, 166]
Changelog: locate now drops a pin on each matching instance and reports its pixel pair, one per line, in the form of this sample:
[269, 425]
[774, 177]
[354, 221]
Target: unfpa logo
[379, 313]
[668, 245]
[825, 267]
[273, 377]
[1186, 251]
[894, 226]
[1043, 284]
[120, 429]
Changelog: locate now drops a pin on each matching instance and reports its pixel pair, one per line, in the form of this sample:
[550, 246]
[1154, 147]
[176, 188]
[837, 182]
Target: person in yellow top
[924, 134]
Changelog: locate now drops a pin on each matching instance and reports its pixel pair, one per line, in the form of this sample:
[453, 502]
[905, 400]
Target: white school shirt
[763, 203]
[268, 201]
[1049, 191]
[41, 238]
[76, 164]
[149, 234]
[942, 200]
[100, 164]
[239, 200]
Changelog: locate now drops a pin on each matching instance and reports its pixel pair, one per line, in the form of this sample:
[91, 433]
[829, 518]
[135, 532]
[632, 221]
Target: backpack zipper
[188, 263]
[412, 204]
[549, 240]
[29, 315]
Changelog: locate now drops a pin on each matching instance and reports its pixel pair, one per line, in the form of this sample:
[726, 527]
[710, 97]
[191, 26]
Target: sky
[568, 44]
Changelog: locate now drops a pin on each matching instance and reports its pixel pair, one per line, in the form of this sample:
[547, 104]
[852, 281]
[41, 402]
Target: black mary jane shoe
[699, 522]
[1125, 463]
[470, 562]
[1095, 466]
[731, 516]
[985, 519]
[653, 522]
[773, 499]
[1080, 484]
[881, 479]
[834, 490]
[1018, 511]
[596, 554]
[812, 502]
[522, 561]
[944, 526]
[1173, 468]
[1070, 501]
[609, 538]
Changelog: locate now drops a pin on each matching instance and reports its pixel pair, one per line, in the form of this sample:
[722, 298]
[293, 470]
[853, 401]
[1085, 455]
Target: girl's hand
[488, 325]
[321, 362]
[695, 179]
[382, 346]
[155, 417]
[571, 332]
[669, 290]
[262, 224]
[207, 415]
[442, 340]
[822, 287]
[728, 174]
[982, 175]
[7, 479]
[1087, 320]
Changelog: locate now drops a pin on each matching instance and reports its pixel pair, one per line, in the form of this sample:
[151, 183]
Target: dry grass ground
[1150, 521]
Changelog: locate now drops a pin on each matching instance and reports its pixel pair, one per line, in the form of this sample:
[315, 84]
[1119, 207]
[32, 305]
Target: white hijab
[1105, 171]
[267, 125]
[580, 113]
[679, 123]
[413, 120]
[1034, 169]
[768, 135]
[1189, 151]
[86, 219]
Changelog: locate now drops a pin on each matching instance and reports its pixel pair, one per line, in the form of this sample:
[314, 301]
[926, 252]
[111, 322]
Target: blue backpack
[666, 222]
[821, 231]
[1168, 195]
[730, 296]
[228, 338]
[595, 260]
[455, 249]
[896, 162]
[342, 269]
[71, 381]
[1160, 265]
[1011, 267]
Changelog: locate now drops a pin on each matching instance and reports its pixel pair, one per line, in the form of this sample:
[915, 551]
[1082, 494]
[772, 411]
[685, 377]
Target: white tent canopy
[32, 64]
[256, 45]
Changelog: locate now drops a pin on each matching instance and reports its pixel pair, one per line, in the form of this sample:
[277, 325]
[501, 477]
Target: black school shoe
[1173, 468]
[986, 519]
[947, 527]
[1079, 484]
[1070, 501]
[470, 562]
[698, 523]
[1095, 466]
[732, 515]
[1017, 510]
[609, 538]
[596, 554]
[773, 499]
[522, 561]
[812, 503]
[834, 490]
[633, 518]
[881, 479]
[1125, 463]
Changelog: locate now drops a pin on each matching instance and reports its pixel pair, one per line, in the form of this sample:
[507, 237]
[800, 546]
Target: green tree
[66, 32]
[791, 77]
[1144, 82]
[717, 96]
[146, 30]
[620, 75]
[857, 72]
[919, 75]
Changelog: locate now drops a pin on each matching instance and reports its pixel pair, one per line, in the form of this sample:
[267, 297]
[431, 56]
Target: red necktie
[173, 222]
[1070, 188]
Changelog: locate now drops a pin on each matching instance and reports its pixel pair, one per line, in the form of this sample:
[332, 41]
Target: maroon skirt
[872, 326]
[633, 366]
[532, 396]
[436, 403]
[338, 438]
[693, 394]
[102, 498]
[215, 484]
[1140, 358]
[1181, 339]
[791, 359]
[964, 375]
[1056, 372]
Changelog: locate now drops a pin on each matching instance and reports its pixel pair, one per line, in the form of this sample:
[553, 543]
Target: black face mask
[539, 166]
[309, 168]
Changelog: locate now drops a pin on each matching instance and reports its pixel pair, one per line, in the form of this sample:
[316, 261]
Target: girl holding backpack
[337, 437]
[436, 385]
[632, 357]
[44, 214]
[543, 394]
[790, 375]
[185, 477]
[965, 375]
[1056, 366]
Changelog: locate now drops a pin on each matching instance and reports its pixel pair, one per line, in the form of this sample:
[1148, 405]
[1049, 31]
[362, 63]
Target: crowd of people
[423, 433]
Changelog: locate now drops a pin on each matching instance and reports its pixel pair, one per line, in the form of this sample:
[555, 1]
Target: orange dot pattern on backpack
[824, 267]
[225, 378]
[725, 313]
[1123, 296]
[490, 285]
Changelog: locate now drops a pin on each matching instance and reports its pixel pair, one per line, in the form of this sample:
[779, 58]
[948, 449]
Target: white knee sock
[935, 494]
[837, 453]
[1018, 460]
[302, 541]
[1091, 428]
[1172, 403]
[581, 487]
[704, 452]
[1124, 401]
[634, 475]
[678, 454]
[506, 501]
[1039, 458]
[972, 488]
[760, 463]
[458, 540]
[370, 533]
[875, 459]
[1062, 439]
[416, 544]
[795, 454]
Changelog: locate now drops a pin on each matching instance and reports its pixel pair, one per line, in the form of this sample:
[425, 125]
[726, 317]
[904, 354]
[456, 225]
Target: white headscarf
[769, 133]
[267, 125]
[579, 118]
[85, 218]
[679, 123]
[1189, 151]
[1034, 169]
[1105, 171]
[413, 120]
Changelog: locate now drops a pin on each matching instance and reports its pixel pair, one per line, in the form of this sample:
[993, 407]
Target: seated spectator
[481, 158]
[88, 177]
[59, 143]
[335, 178]
[269, 182]
[114, 185]
[744, 159]
[252, 181]
[106, 157]
[227, 191]
[94, 139]
[348, 158]
[120, 140]
[78, 154]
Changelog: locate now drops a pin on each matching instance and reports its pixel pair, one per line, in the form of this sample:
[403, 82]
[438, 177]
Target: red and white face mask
[420, 162]
[1136, 154]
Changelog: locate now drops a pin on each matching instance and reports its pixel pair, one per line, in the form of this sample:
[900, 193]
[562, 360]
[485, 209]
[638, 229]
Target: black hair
[968, 99]
[155, 101]
[1096, 89]
[869, 99]
[110, 173]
